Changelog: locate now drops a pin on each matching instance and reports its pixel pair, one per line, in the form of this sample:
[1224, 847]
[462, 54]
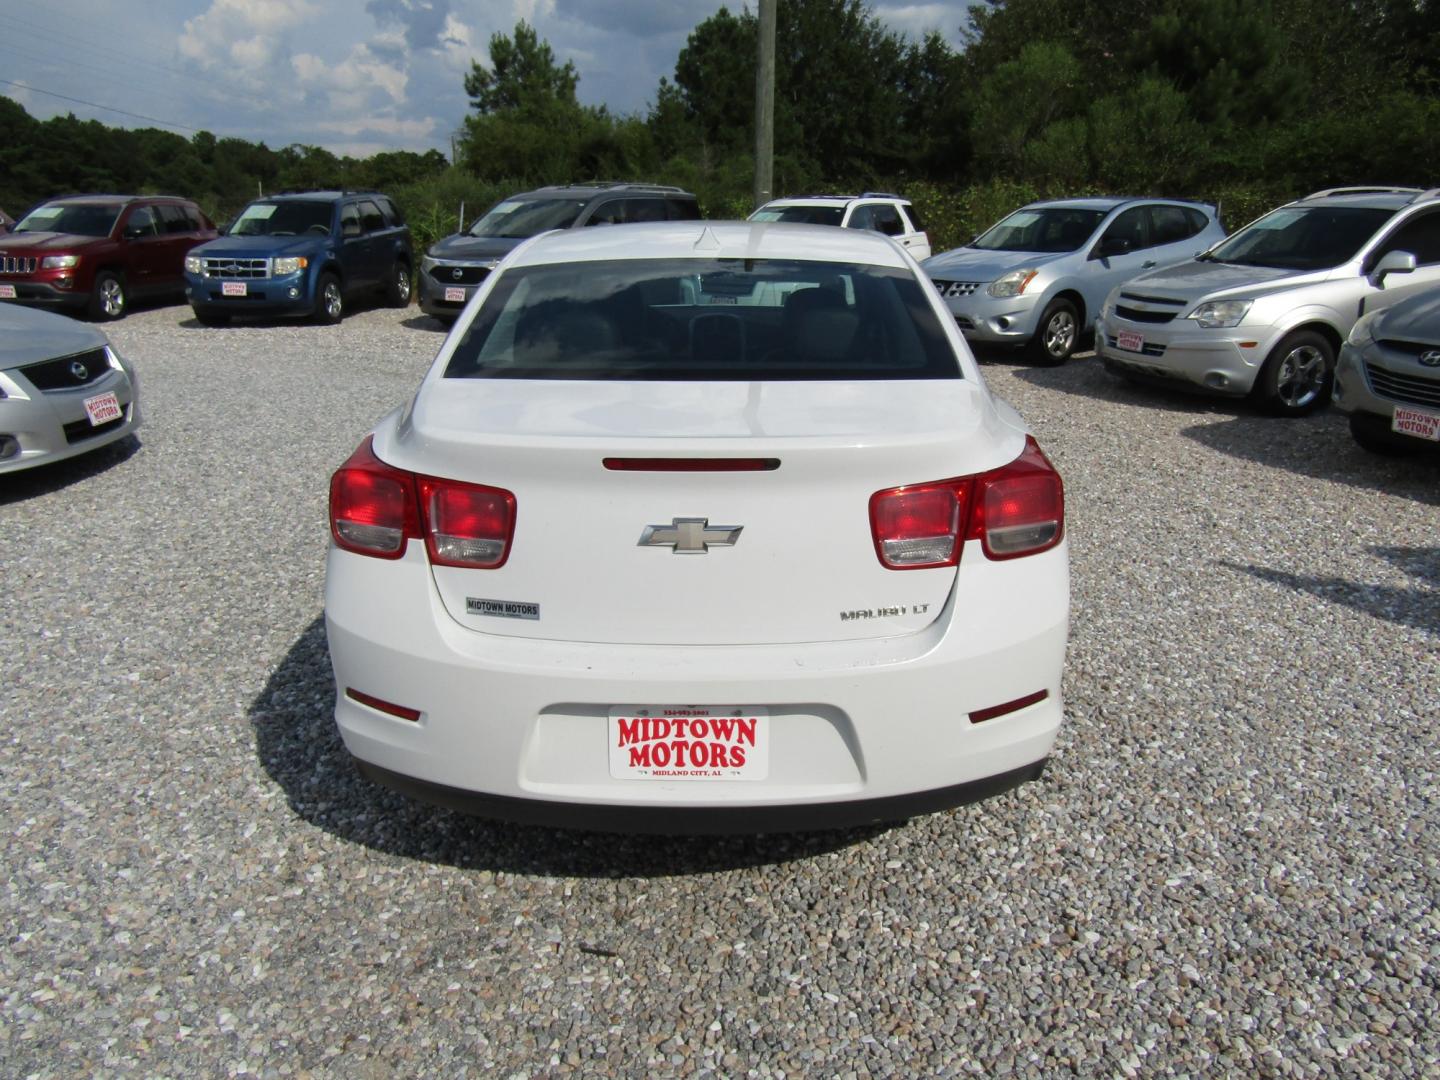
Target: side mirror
[1396, 262]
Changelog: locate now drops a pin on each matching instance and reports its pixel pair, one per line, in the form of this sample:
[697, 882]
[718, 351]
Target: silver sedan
[64, 390]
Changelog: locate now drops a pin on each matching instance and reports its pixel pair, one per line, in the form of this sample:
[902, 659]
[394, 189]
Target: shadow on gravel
[1320, 447]
[426, 322]
[300, 748]
[44, 479]
[1086, 377]
[1417, 606]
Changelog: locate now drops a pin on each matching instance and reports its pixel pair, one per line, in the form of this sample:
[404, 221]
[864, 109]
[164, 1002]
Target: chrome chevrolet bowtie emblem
[1430, 358]
[690, 536]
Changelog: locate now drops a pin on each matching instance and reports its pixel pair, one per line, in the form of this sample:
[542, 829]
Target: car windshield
[76, 219]
[1303, 238]
[705, 320]
[1053, 229]
[289, 218]
[517, 219]
[802, 215]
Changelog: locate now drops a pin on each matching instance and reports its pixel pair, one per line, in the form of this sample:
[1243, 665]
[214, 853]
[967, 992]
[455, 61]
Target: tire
[211, 318]
[1373, 434]
[329, 300]
[108, 299]
[1297, 375]
[397, 290]
[1057, 335]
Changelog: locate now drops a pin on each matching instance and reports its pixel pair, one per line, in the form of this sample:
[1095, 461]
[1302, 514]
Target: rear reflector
[981, 715]
[381, 705]
[620, 464]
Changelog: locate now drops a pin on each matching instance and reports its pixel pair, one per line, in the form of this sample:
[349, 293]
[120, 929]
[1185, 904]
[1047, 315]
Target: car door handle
[1147, 264]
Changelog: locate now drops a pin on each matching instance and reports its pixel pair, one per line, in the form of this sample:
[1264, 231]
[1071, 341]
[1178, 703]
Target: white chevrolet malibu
[700, 527]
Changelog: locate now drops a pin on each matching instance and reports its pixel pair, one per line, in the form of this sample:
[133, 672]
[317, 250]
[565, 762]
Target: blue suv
[302, 254]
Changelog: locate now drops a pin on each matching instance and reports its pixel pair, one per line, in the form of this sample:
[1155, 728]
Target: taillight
[375, 508]
[372, 506]
[467, 524]
[1017, 509]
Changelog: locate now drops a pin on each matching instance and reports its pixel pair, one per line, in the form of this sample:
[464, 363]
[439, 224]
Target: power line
[95, 105]
[105, 51]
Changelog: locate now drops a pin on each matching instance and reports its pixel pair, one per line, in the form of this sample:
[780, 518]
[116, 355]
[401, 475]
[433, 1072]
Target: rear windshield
[76, 219]
[1054, 229]
[800, 215]
[289, 218]
[705, 320]
[1303, 239]
[516, 219]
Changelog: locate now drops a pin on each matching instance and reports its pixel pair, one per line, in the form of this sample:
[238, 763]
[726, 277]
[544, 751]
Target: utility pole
[765, 105]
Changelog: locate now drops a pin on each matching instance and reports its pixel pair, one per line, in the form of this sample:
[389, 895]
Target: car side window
[391, 212]
[1171, 224]
[349, 220]
[141, 223]
[683, 209]
[861, 218]
[1126, 232]
[1420, 236]
[637, 210]
[914, 215]
[610, 213]
[173, 219]
[887, 219]
[370, 217]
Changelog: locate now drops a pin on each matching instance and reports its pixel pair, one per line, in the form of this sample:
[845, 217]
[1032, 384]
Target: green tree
[522, 76]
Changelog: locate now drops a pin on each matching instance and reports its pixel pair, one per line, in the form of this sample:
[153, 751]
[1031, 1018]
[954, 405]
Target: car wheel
[1297, 375]
[1373, 433]
[329, 300]
[107, 299]
[212, 318]
[1059, 333]
[398, 290]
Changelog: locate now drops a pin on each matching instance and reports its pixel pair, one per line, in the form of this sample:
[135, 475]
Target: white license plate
[455, 295]
[1418, 424]
[7, 292]
[1130, 341]
[102, 408]
[233, 288]
[689, 742]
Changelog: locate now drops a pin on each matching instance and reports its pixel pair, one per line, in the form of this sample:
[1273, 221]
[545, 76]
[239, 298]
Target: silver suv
[1037, 278]
[876, 211]
[1265, 311]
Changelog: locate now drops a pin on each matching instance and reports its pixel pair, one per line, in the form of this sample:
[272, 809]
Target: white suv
[1266, 310]
[877, 211]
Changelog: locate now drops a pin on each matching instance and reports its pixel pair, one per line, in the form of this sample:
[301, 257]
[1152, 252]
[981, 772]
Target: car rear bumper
[859, 730]
[1220, 361]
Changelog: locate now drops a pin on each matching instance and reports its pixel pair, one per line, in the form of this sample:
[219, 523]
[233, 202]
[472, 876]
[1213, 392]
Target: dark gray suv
[455, 267]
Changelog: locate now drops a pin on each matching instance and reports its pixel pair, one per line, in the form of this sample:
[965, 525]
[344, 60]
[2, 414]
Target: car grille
[467, 275]
[60, 374]
[80, 430]
[1409, 348]
[1406, 388]
[18, 264]
[957, 288]
[964, 323]
[1136, 315]
[236, 268]
[1149, 349]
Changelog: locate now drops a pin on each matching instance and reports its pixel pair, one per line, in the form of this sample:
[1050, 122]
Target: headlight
[1011, 284]
[1220, 313]
[1363, 332]
[281, 267]
[59, 262]
[193, 264]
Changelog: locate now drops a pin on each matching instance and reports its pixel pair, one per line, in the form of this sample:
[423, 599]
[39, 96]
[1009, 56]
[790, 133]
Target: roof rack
[637, 184]
[881, 195]
[1376, 189]
[1432, 193]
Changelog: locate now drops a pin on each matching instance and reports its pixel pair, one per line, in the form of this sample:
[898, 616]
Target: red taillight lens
[919, 526]
[467, 524]
[1020, 507]
[1017, 509]
[372, 506]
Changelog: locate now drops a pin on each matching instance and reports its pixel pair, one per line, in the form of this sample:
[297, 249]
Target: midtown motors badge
[689, 742]
[504, 609]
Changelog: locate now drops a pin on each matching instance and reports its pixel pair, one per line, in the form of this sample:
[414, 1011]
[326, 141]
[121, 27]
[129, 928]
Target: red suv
[96, 252]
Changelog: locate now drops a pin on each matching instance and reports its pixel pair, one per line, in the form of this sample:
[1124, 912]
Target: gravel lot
[1228, 869]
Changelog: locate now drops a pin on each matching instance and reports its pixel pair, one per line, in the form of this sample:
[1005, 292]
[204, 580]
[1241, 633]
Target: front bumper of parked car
[860, 730]
[58, 290]
[38, 427]
[1220, 360]
[288, 294]
[1376, 379]
[984, 318]
[446, 286]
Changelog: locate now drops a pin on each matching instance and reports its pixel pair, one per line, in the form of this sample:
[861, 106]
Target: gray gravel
[1228, 870]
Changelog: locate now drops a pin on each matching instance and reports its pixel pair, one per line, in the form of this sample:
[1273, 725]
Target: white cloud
[247, 32]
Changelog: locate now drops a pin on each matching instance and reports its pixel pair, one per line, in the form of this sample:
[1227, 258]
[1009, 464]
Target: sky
[354, 76]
